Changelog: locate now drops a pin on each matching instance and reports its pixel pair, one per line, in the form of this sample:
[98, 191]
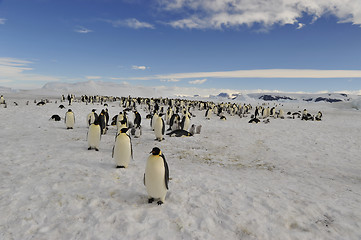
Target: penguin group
[167, 118]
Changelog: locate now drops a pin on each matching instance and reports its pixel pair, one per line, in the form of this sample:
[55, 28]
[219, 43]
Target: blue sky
[235, 44]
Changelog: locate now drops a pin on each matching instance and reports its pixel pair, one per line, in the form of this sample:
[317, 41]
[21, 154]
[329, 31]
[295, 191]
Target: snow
[289, 179]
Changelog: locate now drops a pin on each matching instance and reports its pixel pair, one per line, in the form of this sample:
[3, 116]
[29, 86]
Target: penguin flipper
[144, 179]
[163, 127]
[166, 172]
[113, 152]
[131, 147]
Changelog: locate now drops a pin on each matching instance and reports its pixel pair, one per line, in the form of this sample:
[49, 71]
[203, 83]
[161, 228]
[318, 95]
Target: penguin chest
[158, 126]
[122, 150]
[70, 119]
[94, 135]
[154, 177]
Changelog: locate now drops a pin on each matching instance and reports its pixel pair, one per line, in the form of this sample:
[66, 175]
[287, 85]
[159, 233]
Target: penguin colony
[171, 115]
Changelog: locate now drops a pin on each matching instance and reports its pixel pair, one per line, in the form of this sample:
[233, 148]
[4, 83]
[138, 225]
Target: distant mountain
[217, 95]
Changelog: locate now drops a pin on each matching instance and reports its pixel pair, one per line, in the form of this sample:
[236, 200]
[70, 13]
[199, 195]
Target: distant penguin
[208, 114]
[254, 120]
[138, 132]
[159, 127]
[69, 119]
[61, 106]
[2, 100]
[122, 150]
[92, 117]
[179, 133]
[156, 176]
[198, 129]
[223, 118]
[102, 122]
[55, 117]
[318, 116]
[174, 122]
[168, 115]
[185, 122]
[152, 121]
[137, 119]
[94, 135]
[192, 130]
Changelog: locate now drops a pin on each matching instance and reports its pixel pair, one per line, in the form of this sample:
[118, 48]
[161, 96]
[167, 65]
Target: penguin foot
[159, 202]
[150, 200]
[89, 148]
[120, 167]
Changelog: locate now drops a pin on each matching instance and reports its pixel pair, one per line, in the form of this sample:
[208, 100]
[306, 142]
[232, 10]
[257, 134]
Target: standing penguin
[102, 122]
[122, 150]
[91, 117]
[94, 135]
[159, 128]
[156, 176]
[137, 119]
[185, 122]
[69, 119]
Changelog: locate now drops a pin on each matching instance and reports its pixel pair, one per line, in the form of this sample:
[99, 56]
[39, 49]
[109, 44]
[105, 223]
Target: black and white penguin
[2, 100]
[168, 115]
[55, 117]
[122, 150]
[94, 135]
[69, 119]
[185, 123]
[159, 127]
[156, 176]
[179, 133]
[254, 120]
[92, 117]
[102, 122]
[137, 119]
[318, 116]
[192, 130]
[174, 122]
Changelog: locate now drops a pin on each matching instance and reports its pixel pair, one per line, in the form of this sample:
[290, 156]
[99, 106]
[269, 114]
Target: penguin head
[93, 110]
[156, 151]
[69, 110]
[124, 130]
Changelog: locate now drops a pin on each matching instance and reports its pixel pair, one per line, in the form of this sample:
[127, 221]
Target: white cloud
[260, 73]
[93, 77]
[218, 14]
[199, 81]
[15, 72]
[300, 25]
[81, 29]
[170, 80]
[2, 20]
[131, 23]
[134, 67]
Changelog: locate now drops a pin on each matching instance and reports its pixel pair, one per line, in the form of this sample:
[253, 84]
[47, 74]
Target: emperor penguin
[94, 135]
[159, 127]
[154, 118]
[192, 130]
[168, 115]
[208, 114]
[318, 116]
[2, 100]
[91, 117]
[122, 150]
[185, 122]
[69, 119]
[156, 176]
[137, 119]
